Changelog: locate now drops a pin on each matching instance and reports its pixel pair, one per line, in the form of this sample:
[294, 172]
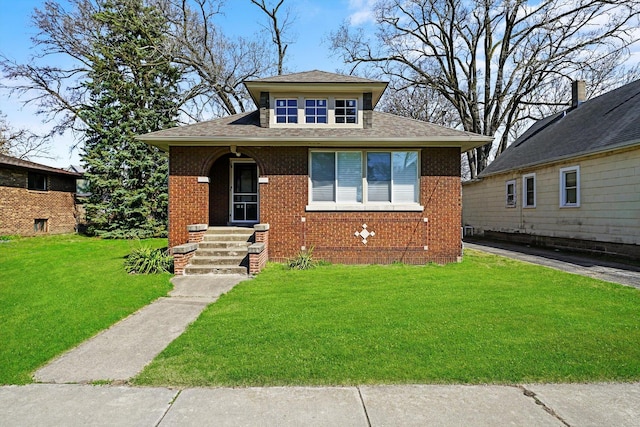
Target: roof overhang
[465, 144]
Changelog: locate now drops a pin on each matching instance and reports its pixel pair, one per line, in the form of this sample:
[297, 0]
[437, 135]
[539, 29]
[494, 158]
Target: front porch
[222, 250]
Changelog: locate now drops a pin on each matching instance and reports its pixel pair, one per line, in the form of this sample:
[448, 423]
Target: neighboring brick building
[35, 198]
[324, 170]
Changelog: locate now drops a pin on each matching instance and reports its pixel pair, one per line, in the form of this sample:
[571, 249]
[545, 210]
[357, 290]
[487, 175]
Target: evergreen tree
[133, 90]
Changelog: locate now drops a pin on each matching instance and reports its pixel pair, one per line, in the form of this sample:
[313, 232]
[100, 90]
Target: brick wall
[399, 236]
[20, 207]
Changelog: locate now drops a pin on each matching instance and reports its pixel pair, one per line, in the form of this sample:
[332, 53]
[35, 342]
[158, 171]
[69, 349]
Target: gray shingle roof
[14, 162]
[607, 122]
[315, 76]
[244, 129]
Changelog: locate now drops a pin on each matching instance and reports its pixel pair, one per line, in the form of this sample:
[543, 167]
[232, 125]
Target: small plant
[303, 261]
[146, 260]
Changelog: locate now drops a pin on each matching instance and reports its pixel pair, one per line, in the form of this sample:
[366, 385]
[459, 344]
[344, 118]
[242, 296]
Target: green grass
[57, 291]
[485, 320]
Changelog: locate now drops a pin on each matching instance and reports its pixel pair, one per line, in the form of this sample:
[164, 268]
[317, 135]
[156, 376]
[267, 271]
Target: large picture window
[364, 177]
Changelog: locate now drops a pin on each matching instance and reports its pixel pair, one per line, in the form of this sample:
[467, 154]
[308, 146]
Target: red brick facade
[410, 237]
[20, 208]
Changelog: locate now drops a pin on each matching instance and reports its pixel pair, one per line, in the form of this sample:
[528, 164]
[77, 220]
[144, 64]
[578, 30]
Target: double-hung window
[346, 111]
[364, 178]
[529, 190]
[570, 187]
[315, 110]
[511, 193]
[286, 111]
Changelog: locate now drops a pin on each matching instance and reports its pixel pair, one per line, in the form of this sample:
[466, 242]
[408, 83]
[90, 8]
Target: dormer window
[315, 111]
[346, 111]
[286, 111]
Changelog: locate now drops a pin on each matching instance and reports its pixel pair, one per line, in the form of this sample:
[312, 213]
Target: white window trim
[524, 190]
[286, 98]
[515, 193]
[365, 205]
[304, 110]
[331, 101]
[563, 193]
[335, 117]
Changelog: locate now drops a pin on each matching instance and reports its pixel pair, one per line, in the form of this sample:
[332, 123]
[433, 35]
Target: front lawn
[485, 320]
[57, 291]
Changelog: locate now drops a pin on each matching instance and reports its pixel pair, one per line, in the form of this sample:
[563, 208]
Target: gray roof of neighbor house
[15, 163]
[607, 122]
[244, 129]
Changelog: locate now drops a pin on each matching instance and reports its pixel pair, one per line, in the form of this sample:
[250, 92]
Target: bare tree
[213, 66]
[493, 61]
[276, 29]
[21, 143]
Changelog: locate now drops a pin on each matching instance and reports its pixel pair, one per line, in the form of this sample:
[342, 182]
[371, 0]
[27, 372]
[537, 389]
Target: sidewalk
[413, 405]
[571, 262]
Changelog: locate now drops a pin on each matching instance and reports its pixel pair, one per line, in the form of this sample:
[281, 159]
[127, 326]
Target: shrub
[303, 261]
[146, 260]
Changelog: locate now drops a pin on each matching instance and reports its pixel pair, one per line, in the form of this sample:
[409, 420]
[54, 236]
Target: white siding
[609, 201]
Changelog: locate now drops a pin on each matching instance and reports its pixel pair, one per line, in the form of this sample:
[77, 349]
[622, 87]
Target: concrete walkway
[571, 262]
[413, 405]
[123, 350]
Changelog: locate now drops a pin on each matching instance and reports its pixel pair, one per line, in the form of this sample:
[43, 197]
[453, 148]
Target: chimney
[578, 93]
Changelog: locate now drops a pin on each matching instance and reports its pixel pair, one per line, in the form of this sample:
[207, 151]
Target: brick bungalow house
[316, 166]
[35, 198]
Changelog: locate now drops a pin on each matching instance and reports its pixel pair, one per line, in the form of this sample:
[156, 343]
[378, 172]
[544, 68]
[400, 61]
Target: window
[37, 181]
[346, 111]
[286, 111]
[40, 225]
[390, 177]
[570, 187]
[529, 191]
[511, 193]
[315, 110]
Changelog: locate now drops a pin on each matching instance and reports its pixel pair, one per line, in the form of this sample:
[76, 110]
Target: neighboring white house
[572, 180]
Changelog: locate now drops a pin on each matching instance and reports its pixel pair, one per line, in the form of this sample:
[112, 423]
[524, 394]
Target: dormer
[316, 99]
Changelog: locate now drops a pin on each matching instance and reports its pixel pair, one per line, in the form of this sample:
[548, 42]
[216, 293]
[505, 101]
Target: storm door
[244, 192]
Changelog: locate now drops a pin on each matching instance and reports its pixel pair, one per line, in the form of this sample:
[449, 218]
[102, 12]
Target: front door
[244, 192]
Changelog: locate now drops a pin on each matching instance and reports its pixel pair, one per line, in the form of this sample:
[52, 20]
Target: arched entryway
[233, 191]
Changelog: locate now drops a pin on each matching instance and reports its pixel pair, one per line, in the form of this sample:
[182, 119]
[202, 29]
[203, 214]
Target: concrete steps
[224, 250]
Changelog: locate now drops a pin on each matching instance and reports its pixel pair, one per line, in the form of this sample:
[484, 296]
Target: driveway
[571, 262]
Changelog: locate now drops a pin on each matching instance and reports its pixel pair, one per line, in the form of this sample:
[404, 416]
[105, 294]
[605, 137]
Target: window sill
[364, 208]
[569, 206]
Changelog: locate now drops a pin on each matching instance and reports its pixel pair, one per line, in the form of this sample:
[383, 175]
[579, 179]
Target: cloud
[361, 11]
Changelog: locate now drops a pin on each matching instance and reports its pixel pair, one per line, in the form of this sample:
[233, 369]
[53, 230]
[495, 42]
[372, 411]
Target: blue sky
[314, 19]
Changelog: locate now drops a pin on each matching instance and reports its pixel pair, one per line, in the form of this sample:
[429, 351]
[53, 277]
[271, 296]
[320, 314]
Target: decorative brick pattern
[400, 236]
